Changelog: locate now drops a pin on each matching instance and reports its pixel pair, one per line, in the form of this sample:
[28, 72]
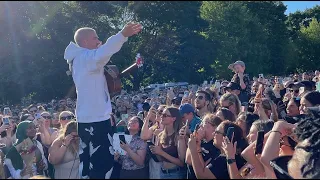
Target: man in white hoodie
[86, 60]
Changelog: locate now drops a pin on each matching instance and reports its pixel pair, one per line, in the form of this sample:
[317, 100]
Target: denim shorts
[179, 174]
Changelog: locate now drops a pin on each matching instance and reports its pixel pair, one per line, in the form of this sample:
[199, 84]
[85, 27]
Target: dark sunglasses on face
[67, 118]
[34, 111]
[165, 115]
[47, 117]
[218, 132]
[159, 112]
[295, 91]
[199, 97]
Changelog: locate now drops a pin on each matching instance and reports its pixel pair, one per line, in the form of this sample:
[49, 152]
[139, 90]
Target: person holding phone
[216, 168]
[166, 148]
[151, 133]
[63, 153]
[26, 157]
[242, 79]
[279, 143]
[8, 134]
[206, 148]
[86, 59]
[133, 163]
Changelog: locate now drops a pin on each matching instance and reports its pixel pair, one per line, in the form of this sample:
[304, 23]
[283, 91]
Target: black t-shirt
[208, 151]
[219, 167]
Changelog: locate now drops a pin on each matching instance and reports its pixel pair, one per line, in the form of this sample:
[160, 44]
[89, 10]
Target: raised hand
[131, 29]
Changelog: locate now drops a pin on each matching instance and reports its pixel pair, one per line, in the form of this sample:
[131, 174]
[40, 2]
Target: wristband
[277, 132]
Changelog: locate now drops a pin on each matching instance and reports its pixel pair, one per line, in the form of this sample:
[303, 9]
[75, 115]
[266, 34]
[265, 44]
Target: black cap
[233, 86]
[309, 85]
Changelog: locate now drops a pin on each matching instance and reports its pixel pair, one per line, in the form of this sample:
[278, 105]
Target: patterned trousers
[96, 160]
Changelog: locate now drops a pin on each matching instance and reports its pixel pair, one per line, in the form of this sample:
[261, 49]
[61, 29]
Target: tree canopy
[181, 41]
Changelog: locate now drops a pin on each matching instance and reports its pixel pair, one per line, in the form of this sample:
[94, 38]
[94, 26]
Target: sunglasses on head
[67, 118]
[47, 117]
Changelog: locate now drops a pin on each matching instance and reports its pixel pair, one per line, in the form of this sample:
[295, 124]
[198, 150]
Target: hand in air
[131, 29]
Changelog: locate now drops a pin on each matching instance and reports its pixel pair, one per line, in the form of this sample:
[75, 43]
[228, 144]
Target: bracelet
[64, 145]
[277, 132]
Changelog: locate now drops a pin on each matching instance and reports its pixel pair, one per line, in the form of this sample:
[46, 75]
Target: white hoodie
[87, 66]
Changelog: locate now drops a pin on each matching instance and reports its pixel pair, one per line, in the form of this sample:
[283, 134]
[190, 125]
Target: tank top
[172, 149]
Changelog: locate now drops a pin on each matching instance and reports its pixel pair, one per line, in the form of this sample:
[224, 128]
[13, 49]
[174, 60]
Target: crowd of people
[179, 132]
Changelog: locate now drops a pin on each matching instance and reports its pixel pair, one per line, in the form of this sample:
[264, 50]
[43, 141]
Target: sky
[293, 6]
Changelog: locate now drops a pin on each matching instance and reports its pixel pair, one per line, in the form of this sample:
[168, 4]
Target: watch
[230, 161]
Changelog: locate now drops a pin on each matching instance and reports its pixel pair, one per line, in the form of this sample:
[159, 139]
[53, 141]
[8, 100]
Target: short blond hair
[81, 33]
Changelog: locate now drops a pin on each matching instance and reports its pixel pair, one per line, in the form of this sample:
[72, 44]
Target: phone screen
[230, 132]
[5, 120]
[122, 138]
[259, 143]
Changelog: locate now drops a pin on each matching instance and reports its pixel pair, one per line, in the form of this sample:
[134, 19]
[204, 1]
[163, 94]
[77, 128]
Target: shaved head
[82, 34]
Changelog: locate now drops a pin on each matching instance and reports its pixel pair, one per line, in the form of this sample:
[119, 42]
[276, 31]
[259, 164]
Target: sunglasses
[67, 118]
[47, 117]
[34, 111]
[296, 91]
[165, 115]
[159, 112]
[218, 132]
[199, 97]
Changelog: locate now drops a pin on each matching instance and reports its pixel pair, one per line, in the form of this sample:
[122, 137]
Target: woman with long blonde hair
[63, 153]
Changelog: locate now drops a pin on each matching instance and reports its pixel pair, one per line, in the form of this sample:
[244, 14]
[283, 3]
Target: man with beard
[201, 103]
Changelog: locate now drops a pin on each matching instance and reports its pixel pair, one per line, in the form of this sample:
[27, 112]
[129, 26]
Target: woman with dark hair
[226, 114]
[63, 153]
[133, 163]
[245, 121]
[311, 99]
[216, 168]
[206, 147]
[293, 107]
[166, 148]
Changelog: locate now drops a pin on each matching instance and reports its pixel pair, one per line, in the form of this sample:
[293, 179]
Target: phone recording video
[259, 143]
[230, 132]
[122, 138]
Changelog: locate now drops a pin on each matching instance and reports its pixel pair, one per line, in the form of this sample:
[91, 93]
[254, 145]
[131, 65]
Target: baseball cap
[233, 86]
[307, 84]
[186, 108]
[231, 66]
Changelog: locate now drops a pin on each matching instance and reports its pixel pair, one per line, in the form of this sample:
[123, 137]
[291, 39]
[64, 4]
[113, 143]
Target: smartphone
[259, 143]
[6, 121]
[217, 84]
[153, 156]
[141, 116]
[6, 111]
[230, 133]
[260, 75]
[186, 94]
[318, 86]
[37, 116]
[122, 138]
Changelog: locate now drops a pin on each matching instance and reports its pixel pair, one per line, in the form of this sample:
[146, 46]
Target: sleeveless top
[171, 149]
[69, 168]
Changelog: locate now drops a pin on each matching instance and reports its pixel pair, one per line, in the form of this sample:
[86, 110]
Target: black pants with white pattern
[96, 160]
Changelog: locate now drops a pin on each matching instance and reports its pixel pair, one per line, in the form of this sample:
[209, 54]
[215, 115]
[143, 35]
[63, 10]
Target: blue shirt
[194, 122]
